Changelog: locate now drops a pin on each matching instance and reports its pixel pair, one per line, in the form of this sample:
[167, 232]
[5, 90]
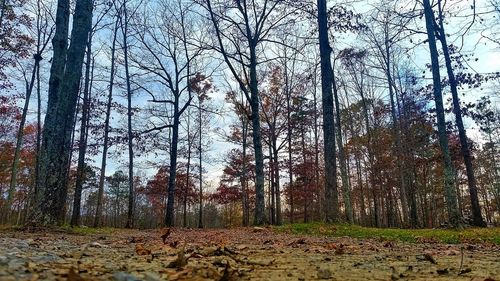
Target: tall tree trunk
[331, 193]
[466, 153]
[200, 151]
[188, 172]
[82, 142]
[38, 137]
[279, 219]
[272, 185]
[259, 217]
[244, 177]
[102, 175]
[396, 132]
[20, 136]
[316, 141]
[346, 188]
[449, 172]
[66, 72]
[169, 217]
[289, 141]
[131, 193]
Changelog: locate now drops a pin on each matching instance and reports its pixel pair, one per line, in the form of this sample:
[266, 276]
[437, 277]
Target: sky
[488, 61]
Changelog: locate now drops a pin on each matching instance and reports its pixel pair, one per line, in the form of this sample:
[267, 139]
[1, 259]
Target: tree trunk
[102, 175]
[346, 188]
[200, 213]
[131, 193]
[20, 136]
[184, 203]
[331, 193]
[279, 219]
[65, 75]
[82, 143]
[259, 217]
[169, 217]
[449, 172]
[466, 153]
[244, 177]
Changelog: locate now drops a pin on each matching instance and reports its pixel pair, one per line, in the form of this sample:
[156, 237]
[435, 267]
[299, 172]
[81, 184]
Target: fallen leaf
[174, 244]
[226, 276]
[74, 276]
[165, 235]
[426, 257]
[180, 261]
[258, 229]
[388, 244]
[141, 251]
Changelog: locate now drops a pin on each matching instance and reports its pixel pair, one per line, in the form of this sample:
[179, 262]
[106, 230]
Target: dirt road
[235, 254]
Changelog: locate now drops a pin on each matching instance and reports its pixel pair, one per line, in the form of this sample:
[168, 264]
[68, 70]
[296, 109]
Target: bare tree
[241, 27]
[449, 171]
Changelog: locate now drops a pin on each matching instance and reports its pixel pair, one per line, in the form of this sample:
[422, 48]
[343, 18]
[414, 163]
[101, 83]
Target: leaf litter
[235, 254]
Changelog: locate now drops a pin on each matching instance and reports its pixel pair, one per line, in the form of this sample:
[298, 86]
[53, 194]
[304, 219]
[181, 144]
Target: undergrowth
[469, 235]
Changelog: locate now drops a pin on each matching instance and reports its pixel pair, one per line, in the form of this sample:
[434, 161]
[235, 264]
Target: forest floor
[245, 254]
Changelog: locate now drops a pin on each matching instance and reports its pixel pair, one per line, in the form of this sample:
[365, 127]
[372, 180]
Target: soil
[235, 254]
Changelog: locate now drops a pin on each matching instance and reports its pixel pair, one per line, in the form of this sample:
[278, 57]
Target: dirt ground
[235, 254]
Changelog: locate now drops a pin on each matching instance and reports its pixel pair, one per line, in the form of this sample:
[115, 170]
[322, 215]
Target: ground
[237, 254]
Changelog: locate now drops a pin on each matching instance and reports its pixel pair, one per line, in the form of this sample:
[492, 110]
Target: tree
[449, 171]
[331, 193]
[162, 45]
[65, 74]
[42, 33]
[257, 21]
[465, 148]
[98, 214]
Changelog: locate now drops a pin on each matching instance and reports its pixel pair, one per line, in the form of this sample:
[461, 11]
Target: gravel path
[235, 254]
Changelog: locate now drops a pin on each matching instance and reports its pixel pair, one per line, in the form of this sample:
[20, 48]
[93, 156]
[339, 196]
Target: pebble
[123, 276]
[324, 273]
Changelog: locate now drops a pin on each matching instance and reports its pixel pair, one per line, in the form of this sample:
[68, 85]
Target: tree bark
[66, 71]
[20, 136]
[346, 188]
[82, 142]
[259, 217]
[331, 193]
[130, 138]
[449, 171]
[466, 153]
[102, 175]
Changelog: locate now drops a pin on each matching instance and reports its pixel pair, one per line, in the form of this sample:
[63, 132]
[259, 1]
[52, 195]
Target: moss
[472, 235]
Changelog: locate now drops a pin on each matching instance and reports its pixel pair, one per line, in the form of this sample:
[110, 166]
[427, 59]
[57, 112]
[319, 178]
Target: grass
[82, 230]
[471, 235]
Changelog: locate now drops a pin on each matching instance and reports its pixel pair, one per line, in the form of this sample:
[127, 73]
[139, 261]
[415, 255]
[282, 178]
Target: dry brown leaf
[141, 251]
[74, 276]
[180, 261]
[165, 234]
[430, 258]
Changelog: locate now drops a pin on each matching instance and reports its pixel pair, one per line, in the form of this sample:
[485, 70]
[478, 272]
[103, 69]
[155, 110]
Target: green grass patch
[82, 230]
[470, 235]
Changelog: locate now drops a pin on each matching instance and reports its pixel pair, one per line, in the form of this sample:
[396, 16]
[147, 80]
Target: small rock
[123, 276]
[324, 273]
[4, 260]
[45, 258]
[16, 265]
[442, 271]
[151, 276]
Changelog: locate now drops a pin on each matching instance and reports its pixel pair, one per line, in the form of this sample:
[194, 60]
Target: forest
[136, 113]
[249, 140]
